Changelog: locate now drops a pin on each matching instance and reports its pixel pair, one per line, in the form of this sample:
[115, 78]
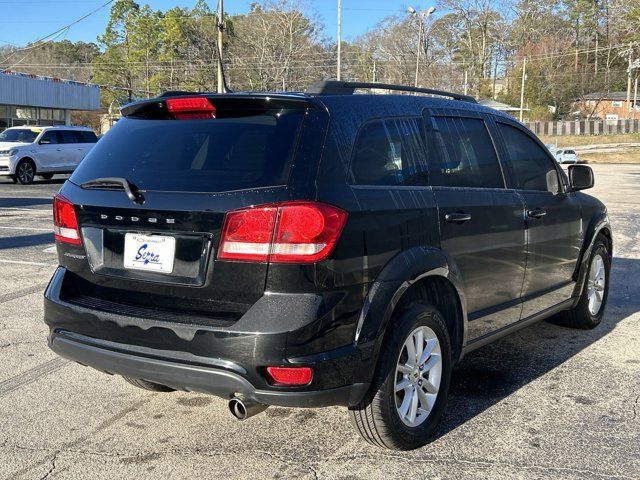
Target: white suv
[29, 151]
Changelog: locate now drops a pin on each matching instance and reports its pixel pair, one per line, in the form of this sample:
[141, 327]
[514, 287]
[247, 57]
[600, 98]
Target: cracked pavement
[545, 402]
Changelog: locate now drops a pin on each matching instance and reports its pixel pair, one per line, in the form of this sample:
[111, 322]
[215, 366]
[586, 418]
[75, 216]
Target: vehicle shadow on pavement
[490, 374]
[26, 241]
[23, 201]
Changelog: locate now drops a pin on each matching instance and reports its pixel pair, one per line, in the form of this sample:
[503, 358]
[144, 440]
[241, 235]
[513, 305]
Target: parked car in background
[27, 152]
[552, 149]
[567, 156]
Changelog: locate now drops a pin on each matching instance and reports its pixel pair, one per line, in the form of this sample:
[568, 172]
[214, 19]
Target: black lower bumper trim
[181, 376]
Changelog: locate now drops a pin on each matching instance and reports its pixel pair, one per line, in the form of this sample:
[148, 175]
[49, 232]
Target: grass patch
[579, 140]
[631, 156]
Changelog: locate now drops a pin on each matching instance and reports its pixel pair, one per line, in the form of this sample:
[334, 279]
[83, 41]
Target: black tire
[376, 417]
[46, 176]
[145, 385]
[25, 171]
[580, 316]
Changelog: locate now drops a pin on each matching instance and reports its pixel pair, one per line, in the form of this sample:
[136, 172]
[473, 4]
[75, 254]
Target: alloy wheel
[26, 172]
[596, 284]
[418, 376]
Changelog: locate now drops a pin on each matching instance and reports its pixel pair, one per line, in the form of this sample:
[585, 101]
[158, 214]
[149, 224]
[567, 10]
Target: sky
[23, 21]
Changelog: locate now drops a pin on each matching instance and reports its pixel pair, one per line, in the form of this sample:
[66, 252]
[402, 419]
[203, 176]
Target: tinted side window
[87, 136]
[50, 137]
[69, 136]
[529, 165]
[463, 154]
[390, 152]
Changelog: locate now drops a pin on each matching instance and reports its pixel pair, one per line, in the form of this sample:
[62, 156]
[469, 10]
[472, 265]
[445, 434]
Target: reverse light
[289, 376]
[292, 232]
[190, 108]
[65, 223]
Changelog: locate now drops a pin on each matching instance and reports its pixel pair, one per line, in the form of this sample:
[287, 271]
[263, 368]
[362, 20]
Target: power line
[57, 33]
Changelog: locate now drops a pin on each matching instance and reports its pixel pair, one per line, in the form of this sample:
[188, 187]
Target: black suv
[325, 248]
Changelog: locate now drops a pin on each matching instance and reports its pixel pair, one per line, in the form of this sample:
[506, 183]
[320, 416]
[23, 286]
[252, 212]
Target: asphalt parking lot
[546, 402]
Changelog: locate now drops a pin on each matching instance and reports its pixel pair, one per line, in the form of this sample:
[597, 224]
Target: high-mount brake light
[290, 232]
[65, 223]
[190, 108]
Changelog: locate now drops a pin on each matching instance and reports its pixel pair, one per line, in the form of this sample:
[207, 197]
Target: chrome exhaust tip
[243, 408]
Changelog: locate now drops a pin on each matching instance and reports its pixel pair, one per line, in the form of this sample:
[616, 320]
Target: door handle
[457, 217]
[58, 149]
[536, 213]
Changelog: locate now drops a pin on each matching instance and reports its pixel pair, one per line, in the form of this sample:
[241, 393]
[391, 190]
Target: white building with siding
[34, 100]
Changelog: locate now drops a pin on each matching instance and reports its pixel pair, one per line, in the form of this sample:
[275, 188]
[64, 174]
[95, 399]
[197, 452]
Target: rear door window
[529, 166]
[463, 154]
[252, 150]
[390, 152]
[69, 136]
[87, 136]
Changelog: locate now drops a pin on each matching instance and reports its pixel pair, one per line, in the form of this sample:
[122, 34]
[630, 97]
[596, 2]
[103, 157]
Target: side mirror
[580, 177]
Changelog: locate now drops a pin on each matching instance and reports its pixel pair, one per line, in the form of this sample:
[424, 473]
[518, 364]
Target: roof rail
[335, 87]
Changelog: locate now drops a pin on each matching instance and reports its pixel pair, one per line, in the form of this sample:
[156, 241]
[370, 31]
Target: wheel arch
[27, 158]
[421, 273]
[598, 225]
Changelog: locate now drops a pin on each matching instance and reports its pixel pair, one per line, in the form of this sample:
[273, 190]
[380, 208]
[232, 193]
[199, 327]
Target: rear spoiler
[157, 108]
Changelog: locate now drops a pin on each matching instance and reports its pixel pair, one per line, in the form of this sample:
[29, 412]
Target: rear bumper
[216, 381]
[222, 361]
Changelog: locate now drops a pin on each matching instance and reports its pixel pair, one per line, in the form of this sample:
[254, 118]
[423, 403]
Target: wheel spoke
[406, 403]
[419, 343]
[424, 401]
[404, 383]
[431, 343]
[432, 362]
[413, 411]
[405, 369]
[429, 387]
[411, 352]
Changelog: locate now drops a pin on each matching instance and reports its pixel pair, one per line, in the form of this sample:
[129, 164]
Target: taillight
[295, 232]
[289, 376]
[65, 224]
[190, 108]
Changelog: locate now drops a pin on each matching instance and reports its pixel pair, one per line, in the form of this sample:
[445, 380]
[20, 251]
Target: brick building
[607, 106]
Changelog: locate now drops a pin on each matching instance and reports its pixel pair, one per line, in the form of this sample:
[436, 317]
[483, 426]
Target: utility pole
[219, 46]
[339, 73]
[629, 81]
[635, 97]
[524, 76]
[375, 71]
[418, 52]
[466, 82]
[421, 17]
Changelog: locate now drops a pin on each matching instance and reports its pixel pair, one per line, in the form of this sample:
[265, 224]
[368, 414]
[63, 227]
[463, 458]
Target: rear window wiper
[115, 182]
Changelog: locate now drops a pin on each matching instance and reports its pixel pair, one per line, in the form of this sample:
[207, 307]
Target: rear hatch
[151, 197]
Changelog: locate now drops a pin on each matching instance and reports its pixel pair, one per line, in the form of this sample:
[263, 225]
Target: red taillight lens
[296, 232]
[289, 376]
[65, 224]
[246, 234]
[190, 108]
